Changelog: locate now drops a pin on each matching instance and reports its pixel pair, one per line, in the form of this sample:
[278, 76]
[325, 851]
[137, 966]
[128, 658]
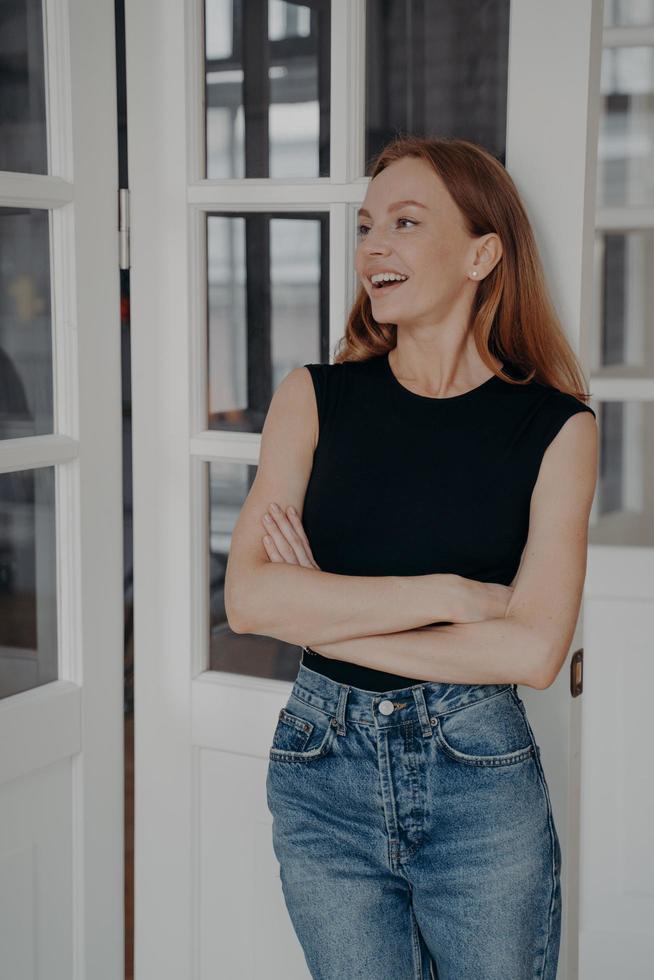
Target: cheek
[434, 262]
[359, 264]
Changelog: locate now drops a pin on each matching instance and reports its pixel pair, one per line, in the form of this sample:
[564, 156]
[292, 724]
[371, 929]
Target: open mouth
[386, 287]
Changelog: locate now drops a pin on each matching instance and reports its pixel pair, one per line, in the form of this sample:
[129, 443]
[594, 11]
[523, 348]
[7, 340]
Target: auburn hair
[512, 316]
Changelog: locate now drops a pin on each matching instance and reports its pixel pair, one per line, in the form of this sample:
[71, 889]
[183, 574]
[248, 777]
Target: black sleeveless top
[405, 484]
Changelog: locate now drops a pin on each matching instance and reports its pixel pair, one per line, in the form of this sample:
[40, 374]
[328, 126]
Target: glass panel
[627, 291]
[268, 309]
[437, 68]
[238, 653]
[624, 505]
[25, 323]
[625, 153]
[28, 606]
[23, 133]
[628, 13]
[267, 88]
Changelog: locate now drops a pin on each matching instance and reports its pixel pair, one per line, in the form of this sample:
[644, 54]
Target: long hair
[512, 317]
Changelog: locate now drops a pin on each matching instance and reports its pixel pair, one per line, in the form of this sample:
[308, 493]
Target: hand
[285, 540]
[486, 600]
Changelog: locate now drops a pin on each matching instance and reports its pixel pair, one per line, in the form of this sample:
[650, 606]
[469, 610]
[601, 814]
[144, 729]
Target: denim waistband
[418, 702]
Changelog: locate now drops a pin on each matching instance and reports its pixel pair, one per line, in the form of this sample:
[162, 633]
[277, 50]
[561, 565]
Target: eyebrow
[394, 207]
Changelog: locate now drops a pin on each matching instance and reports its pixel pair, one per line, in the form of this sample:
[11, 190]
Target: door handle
[577, 673]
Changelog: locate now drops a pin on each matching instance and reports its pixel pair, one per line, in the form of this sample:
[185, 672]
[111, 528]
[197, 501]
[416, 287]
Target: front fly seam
[388, 798]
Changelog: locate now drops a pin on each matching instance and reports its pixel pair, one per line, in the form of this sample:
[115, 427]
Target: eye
[362, 229]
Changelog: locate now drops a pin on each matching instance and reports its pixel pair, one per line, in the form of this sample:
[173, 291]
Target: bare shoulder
[292, 411]
[570, 460]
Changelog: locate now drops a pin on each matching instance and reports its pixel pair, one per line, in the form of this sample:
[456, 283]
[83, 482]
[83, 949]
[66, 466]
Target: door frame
[64, 739]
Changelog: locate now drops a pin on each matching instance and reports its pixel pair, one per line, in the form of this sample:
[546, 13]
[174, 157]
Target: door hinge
[123, 228]
[577, 672]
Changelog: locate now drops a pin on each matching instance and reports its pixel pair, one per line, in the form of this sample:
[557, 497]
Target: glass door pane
[623, 512]
[625, 173]
[268, 310]
[28, 608]
[238, 653]
[627, 302]
[628, 13]
[437, 69]
[25, 323]
[267, 88]
[23, 135]
[624, 502]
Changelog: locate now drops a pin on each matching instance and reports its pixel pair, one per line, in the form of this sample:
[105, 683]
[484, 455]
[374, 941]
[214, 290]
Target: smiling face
[427, 243]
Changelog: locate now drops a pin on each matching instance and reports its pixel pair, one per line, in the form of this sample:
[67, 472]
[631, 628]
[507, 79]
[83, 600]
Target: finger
[290, 535]
[299, 530]
[271, 550]
[282, 545]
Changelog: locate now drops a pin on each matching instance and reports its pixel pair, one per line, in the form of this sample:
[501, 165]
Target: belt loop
[423, 713]
[339, 719]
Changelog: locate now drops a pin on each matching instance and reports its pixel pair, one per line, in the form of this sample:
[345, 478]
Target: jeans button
[386, 707]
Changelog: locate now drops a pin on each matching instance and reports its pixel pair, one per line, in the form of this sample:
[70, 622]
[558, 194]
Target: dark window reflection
[627, 340]
[611, 475]
[625, 150]
[23, 134]
[437, 68]
[625, 490]
[28, 607]
[268, 309]
[25, 323]
[267, 88]
[238, 653]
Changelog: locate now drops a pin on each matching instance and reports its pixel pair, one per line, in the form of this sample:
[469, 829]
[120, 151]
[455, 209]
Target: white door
[61, 594]
[247, 153]
[617, 853]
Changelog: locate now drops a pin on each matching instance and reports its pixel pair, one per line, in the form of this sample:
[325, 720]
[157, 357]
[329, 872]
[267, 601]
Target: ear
[488, 253]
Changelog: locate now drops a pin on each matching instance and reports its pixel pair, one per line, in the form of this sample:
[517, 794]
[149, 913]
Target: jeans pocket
[303, 732]
[489, 732]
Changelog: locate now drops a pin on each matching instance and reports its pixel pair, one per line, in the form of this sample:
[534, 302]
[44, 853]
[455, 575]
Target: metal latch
[577, 673]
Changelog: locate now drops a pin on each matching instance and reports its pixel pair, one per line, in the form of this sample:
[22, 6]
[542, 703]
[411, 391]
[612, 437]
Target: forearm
[493, 651]
[308, 607]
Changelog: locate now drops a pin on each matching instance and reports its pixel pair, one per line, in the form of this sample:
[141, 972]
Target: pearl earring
[474, 273]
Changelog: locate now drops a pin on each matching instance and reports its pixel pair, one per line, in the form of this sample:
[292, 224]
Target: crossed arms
[436, 627]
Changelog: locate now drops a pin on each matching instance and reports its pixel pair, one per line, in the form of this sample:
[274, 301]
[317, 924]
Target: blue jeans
[414, 832]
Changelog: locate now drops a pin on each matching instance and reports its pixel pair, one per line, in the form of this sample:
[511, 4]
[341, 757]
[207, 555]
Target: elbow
[546, 670]
[244, 596]
[235, 625]
[244, 608]
[235, 610]
[538, 661]
[234, 619]
[542, 680]
[239, 621]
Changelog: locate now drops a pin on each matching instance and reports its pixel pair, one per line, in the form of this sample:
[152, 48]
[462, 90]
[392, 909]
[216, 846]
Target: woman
[444, 466]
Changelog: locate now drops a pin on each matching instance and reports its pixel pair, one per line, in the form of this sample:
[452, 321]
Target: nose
[375, 243]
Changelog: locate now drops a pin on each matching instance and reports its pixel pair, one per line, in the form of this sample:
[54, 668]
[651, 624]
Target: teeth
[387, 277]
